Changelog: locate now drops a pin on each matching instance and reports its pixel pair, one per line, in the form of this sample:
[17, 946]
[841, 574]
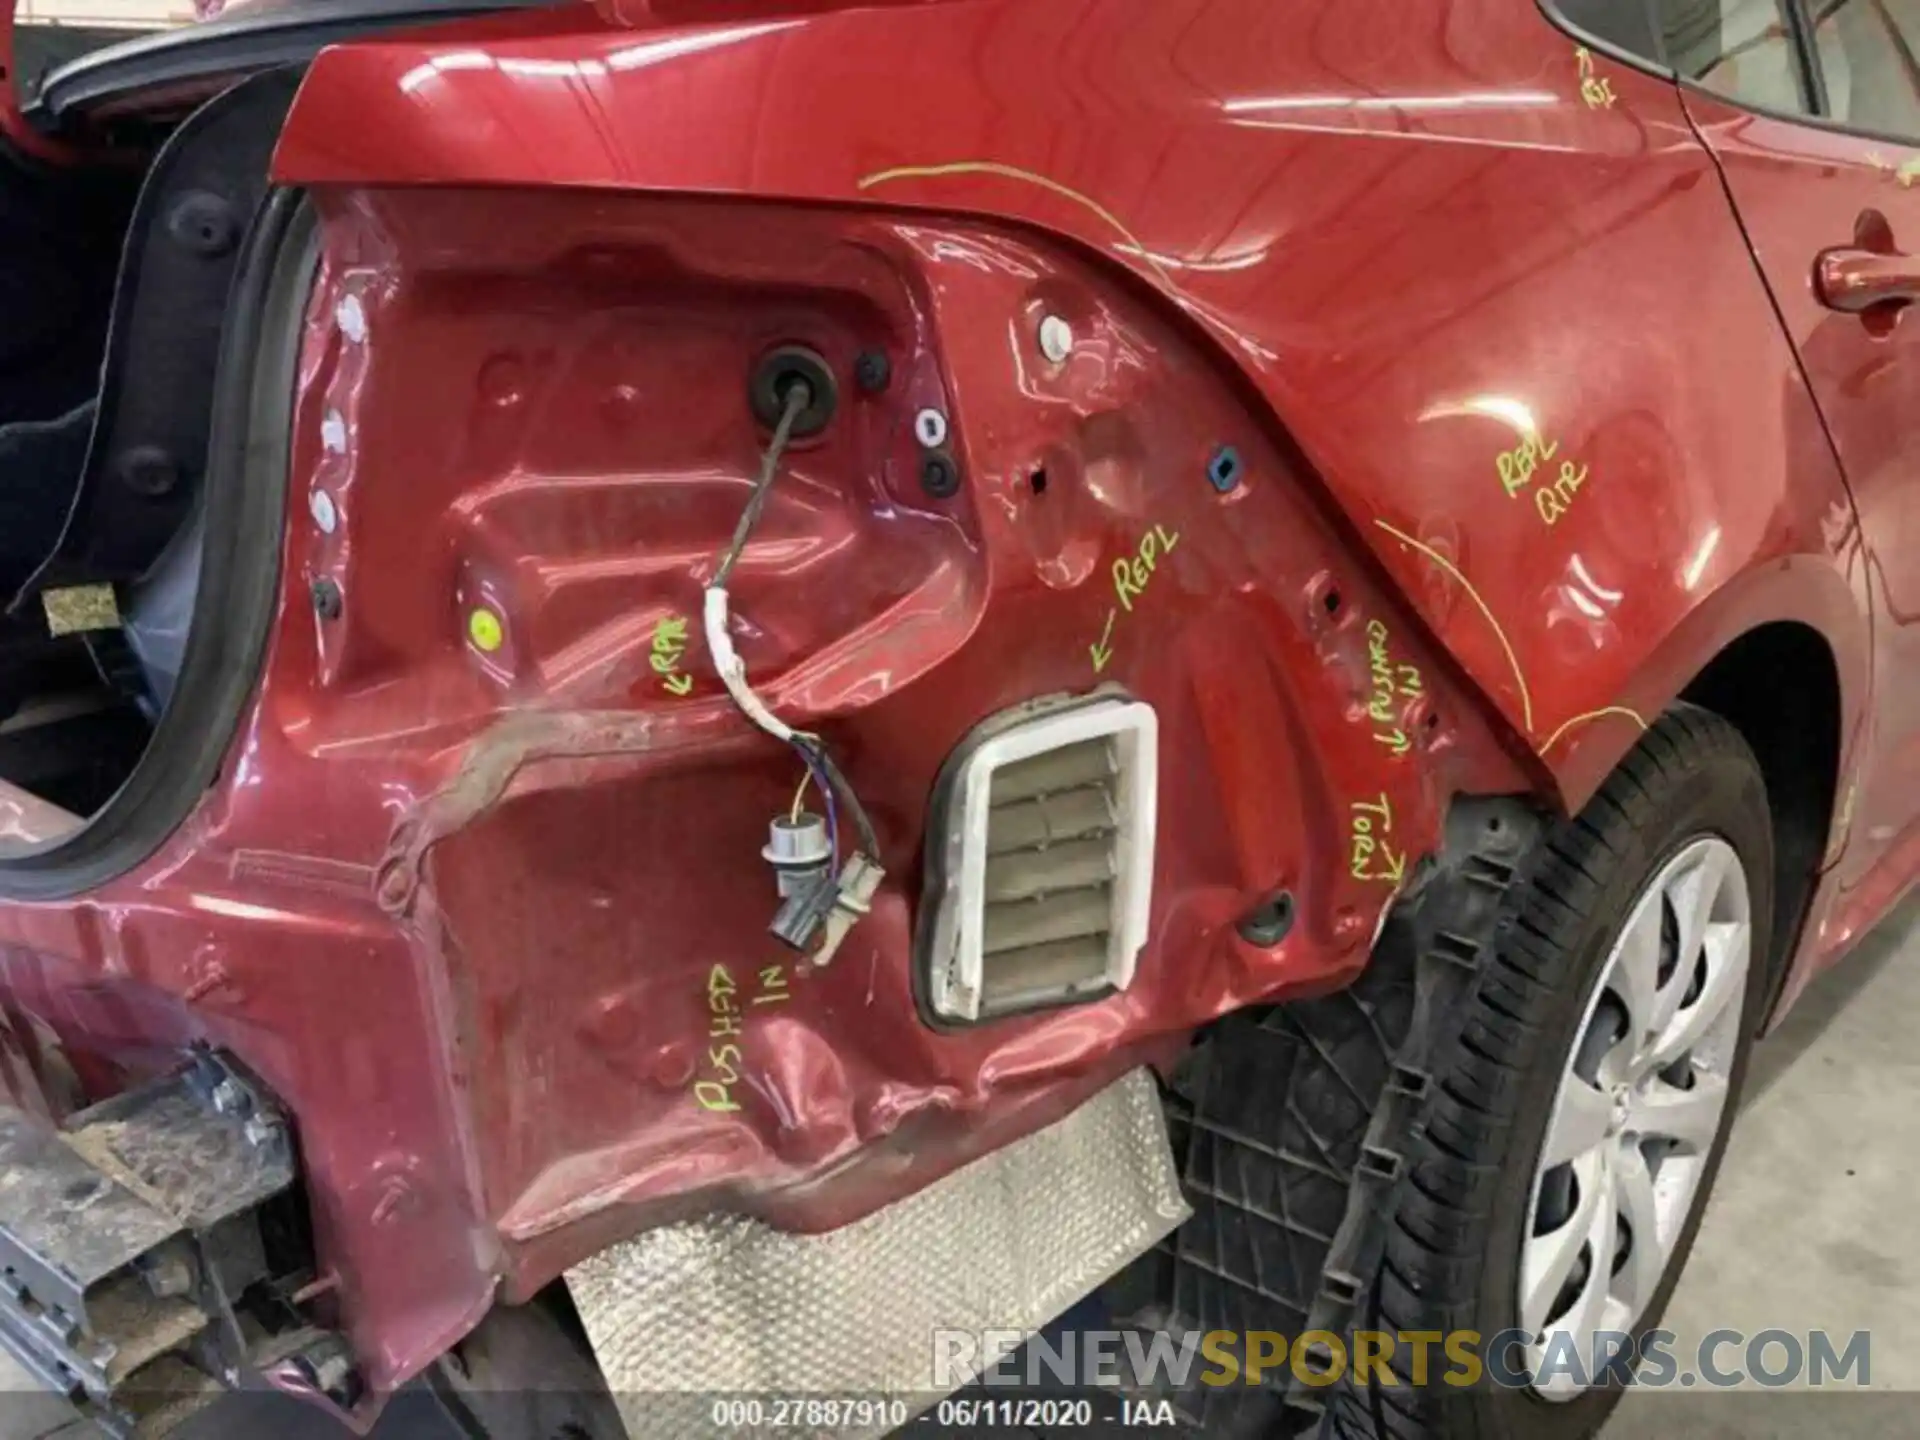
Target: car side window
[1866, 53]
[1624, 24]
[1742, 49]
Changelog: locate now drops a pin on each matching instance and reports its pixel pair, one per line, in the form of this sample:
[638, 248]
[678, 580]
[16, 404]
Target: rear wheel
[1581, 1109]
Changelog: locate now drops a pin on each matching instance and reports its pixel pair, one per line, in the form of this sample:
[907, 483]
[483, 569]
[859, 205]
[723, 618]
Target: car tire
[1453, 1258]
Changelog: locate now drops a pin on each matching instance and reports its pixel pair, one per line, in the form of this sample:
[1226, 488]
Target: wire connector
[859, 879]
[828, 907]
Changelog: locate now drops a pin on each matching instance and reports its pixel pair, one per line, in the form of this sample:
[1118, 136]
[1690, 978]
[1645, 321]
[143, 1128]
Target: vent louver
[1048, 864]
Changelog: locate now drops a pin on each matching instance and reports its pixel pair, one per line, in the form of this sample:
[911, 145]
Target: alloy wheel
[1636, 1113]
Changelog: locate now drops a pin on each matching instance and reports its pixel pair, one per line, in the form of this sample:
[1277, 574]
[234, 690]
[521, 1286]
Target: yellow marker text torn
[1373, 858]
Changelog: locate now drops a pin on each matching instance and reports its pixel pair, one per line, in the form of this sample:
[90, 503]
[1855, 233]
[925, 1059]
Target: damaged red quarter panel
[1243, 329]
[540, 438]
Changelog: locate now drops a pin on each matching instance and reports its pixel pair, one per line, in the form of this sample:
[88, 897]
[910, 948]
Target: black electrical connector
[802, 913]
[792, 388]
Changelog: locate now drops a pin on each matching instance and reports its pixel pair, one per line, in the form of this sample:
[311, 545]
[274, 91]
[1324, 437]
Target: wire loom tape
[728, 1306]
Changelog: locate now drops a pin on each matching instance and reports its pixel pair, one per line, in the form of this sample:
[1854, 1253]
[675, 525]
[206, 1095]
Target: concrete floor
[1813, 1223]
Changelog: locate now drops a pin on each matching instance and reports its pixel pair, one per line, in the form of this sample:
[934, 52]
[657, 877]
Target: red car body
[1518, 425]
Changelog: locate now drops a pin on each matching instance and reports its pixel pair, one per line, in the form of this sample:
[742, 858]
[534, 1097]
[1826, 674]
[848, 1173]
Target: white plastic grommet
[930, 428]
[1056, 339]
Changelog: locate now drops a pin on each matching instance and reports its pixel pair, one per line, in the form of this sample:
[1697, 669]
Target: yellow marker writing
[1526, 699]
[1591, 716]
[1369, 823]
[669, 644]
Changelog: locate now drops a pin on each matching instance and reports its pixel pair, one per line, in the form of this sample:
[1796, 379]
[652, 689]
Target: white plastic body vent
[1048, 863]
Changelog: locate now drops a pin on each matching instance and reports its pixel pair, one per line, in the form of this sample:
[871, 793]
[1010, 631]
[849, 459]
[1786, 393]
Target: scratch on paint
[1028, 177]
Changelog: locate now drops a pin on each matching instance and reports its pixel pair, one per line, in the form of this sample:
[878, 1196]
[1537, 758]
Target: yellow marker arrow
[1099, 650]
[1396, 866]
[1396, 742]
[679, 684]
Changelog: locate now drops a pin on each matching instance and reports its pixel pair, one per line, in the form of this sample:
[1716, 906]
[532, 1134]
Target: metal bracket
[124, 1233]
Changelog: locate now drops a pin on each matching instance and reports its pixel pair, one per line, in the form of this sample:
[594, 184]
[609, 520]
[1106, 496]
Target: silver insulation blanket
[727, 1307]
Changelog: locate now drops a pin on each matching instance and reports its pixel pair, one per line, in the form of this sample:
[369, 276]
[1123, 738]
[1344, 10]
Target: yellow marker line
[1526, 700]
[1010, 172]
[1605, 710]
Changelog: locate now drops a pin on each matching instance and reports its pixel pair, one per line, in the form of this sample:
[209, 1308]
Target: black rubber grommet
[872, 371]
[777, 373]
[939, 476]
[204, 223]
[147, 470]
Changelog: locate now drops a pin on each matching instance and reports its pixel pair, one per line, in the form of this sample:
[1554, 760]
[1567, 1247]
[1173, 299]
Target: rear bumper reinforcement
[124, 1232]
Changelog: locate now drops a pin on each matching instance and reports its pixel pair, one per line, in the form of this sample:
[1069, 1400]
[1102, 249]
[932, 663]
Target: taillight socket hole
[774, 379]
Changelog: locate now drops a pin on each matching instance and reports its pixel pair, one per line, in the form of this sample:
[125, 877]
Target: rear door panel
[1803, 189]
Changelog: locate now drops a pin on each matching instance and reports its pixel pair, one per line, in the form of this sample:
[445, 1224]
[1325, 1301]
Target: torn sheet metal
[727, 1307]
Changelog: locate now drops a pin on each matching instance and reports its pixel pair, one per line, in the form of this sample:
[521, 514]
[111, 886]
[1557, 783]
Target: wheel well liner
[1779, 686]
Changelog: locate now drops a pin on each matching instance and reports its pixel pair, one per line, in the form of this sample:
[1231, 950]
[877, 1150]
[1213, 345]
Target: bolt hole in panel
[544, 414]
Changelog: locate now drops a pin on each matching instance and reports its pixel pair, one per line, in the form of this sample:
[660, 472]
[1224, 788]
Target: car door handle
[1857, 280]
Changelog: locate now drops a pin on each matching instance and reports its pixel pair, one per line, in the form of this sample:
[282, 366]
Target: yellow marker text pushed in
[727, 1025]
[723, 1055]
[1390, 678]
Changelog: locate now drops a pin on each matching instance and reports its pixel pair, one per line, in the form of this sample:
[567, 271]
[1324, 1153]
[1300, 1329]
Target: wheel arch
[1778, 684]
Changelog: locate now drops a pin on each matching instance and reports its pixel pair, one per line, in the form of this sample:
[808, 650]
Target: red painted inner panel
[545, 410]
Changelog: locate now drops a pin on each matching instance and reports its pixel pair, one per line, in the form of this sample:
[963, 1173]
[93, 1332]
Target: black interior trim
[143, 465]
[239, 589]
